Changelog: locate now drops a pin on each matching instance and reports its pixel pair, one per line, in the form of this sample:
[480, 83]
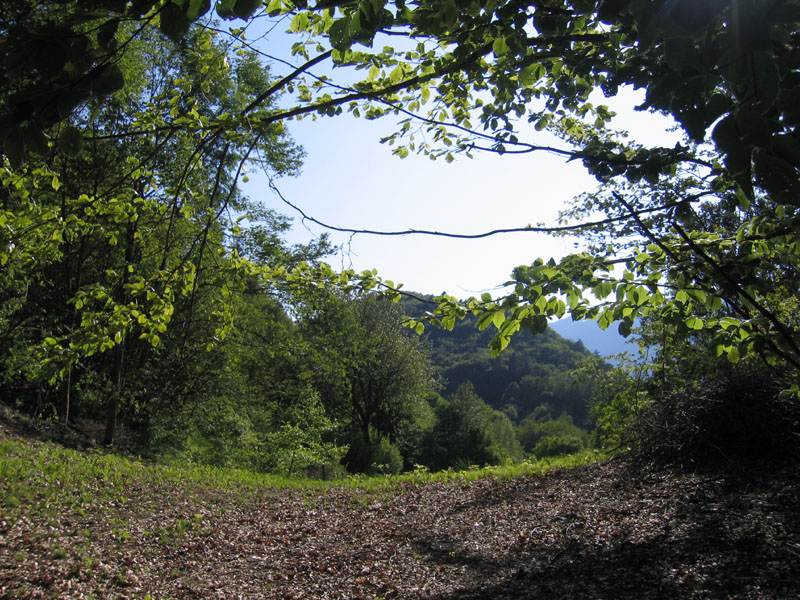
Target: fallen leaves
[592, 532]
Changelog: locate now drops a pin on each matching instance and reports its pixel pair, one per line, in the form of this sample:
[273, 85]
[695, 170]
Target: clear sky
[349, 179]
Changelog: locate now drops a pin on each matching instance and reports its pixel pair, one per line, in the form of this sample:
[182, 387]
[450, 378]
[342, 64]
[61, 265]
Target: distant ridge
[605, 343]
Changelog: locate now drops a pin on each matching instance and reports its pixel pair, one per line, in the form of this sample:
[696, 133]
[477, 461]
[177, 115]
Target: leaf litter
[600, 531]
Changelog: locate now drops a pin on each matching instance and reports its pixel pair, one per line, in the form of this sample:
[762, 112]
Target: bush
[380, 456]
[532, 432]
[298, 447]
[614, 417]
[386, 458]
[727, 417]
[551, 445]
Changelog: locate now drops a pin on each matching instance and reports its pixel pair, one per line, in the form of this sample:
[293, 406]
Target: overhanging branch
[472, 236]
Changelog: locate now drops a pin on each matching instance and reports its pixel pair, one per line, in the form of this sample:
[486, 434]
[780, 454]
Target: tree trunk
[119, 349]
[113, 401]
[64, 409]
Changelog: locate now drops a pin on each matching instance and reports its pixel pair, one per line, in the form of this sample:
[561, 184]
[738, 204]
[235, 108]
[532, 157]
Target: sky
[349, 179]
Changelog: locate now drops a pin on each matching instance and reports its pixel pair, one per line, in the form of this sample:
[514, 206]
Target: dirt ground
[604, 531]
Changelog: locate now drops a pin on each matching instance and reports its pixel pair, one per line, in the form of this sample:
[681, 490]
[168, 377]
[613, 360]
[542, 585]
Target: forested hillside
[536, 372]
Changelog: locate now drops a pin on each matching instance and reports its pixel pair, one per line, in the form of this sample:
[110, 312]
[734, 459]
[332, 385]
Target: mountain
[605, 343]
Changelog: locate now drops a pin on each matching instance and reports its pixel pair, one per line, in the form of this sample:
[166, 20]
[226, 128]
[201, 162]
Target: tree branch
[470, 236]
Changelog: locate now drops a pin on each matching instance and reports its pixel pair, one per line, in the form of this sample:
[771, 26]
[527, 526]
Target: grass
[421, 475]
[47, 476]
[80, 511]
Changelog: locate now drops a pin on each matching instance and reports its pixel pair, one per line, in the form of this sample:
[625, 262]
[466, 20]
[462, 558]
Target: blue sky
[351, 180]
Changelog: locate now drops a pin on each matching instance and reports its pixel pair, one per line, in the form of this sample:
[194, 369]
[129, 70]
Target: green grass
[421, 475]
[47, 476]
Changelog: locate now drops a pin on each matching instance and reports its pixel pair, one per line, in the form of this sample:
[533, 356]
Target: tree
[373, 375]
[468, 432]
[130, 235]
[706, 232]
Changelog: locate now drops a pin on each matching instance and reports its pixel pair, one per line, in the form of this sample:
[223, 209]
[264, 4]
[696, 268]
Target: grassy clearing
[42, 476]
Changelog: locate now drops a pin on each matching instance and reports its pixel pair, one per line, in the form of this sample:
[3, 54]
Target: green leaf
[197, 8]
[602, 289]
[733, 355]
[605, 319]
[766, 78]
[498, 318]
[107, 34]
[500, 47]
[14, 147]
[728, 138]
[174, 22]
[396, 76]
[529, 75]
[339, 33]
[625, 327]
[450, 14]
[694, 323]
[109, 80]
[498, 344]
[449, 322]
[244, 9]
[300, 23]
[484, 320]
[71, 141]
[225, 8]
[778, 177]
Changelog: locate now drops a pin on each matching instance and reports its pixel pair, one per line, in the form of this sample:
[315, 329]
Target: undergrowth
[43, 476]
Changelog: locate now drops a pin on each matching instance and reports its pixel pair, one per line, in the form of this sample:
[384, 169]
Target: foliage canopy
[702, 235]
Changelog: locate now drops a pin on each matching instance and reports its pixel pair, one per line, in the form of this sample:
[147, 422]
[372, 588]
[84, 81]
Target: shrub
[736, 416]
[386, 458]
[551, 445]
[531, 432]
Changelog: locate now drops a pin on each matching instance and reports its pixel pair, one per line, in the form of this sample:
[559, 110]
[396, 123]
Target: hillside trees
[468, 432]
[532, 372]
[112, 244]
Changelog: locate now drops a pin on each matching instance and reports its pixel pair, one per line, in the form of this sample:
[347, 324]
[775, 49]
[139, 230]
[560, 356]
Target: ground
[612, 530]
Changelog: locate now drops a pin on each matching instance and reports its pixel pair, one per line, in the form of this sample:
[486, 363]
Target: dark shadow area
[736, 535]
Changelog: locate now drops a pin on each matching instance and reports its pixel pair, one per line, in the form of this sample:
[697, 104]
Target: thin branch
[470, 236]
[725, 276]
[765, 312]
[282, 82]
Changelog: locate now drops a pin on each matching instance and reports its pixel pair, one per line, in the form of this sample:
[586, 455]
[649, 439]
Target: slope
[76, 525]
[533, 371]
